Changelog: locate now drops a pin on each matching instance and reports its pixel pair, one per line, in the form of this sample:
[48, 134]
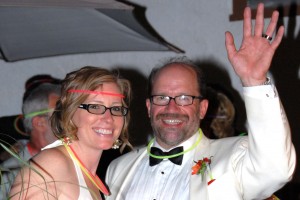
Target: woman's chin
[106, 146]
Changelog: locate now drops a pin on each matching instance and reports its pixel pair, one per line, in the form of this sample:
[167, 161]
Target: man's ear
[148, 105]
[38, 122]
[203, 108]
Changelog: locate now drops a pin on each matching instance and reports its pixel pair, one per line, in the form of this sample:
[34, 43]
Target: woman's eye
[94, 106]
[116, 108]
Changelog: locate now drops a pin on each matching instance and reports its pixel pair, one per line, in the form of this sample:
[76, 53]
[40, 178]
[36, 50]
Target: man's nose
[172, 105]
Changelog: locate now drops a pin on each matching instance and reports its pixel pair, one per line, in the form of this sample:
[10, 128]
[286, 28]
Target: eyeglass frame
[87, 107]
[174, 98]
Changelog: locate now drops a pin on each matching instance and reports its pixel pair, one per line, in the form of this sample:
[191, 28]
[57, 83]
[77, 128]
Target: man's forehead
[175, 71]
[176, 68]
[176, 78]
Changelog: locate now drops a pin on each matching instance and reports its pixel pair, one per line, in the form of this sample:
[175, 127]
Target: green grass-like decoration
[48, 195]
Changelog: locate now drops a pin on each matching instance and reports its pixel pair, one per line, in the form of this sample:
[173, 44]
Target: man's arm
[269, 161]
[270, 157]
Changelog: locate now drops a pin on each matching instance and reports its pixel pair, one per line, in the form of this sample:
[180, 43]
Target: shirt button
[162, 172]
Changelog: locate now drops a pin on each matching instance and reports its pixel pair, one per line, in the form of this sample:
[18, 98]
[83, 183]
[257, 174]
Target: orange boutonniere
[202, 167]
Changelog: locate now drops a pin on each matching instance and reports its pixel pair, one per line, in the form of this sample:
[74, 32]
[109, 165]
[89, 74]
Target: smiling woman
[91, 116]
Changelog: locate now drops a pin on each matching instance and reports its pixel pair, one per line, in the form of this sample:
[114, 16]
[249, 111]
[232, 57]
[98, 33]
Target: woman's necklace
[174, 155]
[94, 179]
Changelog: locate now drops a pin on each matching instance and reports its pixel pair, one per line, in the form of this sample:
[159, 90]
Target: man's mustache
[172, 115]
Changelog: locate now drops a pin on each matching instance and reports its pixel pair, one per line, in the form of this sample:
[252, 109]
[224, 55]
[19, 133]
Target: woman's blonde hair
[86, 78]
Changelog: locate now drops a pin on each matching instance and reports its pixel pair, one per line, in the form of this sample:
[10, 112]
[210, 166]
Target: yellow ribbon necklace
[94, 179]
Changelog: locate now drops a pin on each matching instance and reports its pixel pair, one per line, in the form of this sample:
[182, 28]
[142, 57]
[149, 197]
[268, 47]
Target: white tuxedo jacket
[248, 167]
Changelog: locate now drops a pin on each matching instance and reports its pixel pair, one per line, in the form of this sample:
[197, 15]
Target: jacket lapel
[130, 173]
[198, 187]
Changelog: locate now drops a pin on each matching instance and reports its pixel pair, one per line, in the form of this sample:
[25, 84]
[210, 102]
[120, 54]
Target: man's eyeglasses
[181, 100]
[98, 109]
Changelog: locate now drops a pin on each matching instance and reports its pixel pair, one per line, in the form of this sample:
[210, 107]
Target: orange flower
[196, 168]
[201, 167]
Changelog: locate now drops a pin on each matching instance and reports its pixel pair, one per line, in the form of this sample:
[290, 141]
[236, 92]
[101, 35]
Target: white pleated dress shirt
[164, 181]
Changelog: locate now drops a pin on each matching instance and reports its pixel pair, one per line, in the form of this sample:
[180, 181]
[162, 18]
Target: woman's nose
[107, 115]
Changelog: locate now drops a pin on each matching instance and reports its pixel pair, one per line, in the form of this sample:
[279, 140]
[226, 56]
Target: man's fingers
[275, 43]
[259, 22]
[273, 23]
[230, 46]
[247, 25]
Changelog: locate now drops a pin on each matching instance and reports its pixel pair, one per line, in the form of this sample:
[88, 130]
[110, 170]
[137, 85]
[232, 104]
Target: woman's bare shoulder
[54, 154]
[55, 160]
[47, 173]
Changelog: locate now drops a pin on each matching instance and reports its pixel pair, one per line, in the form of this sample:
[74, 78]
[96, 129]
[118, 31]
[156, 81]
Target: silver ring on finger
[267, 37]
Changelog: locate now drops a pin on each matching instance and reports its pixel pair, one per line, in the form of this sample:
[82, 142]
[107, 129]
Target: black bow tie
[158, 152]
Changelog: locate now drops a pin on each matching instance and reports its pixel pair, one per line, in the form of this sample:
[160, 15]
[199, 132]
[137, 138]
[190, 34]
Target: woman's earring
[117, 144]
[67, 139]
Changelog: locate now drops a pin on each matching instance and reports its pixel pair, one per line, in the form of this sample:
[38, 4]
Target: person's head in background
[219, 121]
[36, 80]
[176, 103]
[81, 91]
[37, 109]
[12, 127]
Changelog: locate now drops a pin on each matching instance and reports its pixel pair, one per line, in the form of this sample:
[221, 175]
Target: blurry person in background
[219, 121]
[37, 109]
[12, 131]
